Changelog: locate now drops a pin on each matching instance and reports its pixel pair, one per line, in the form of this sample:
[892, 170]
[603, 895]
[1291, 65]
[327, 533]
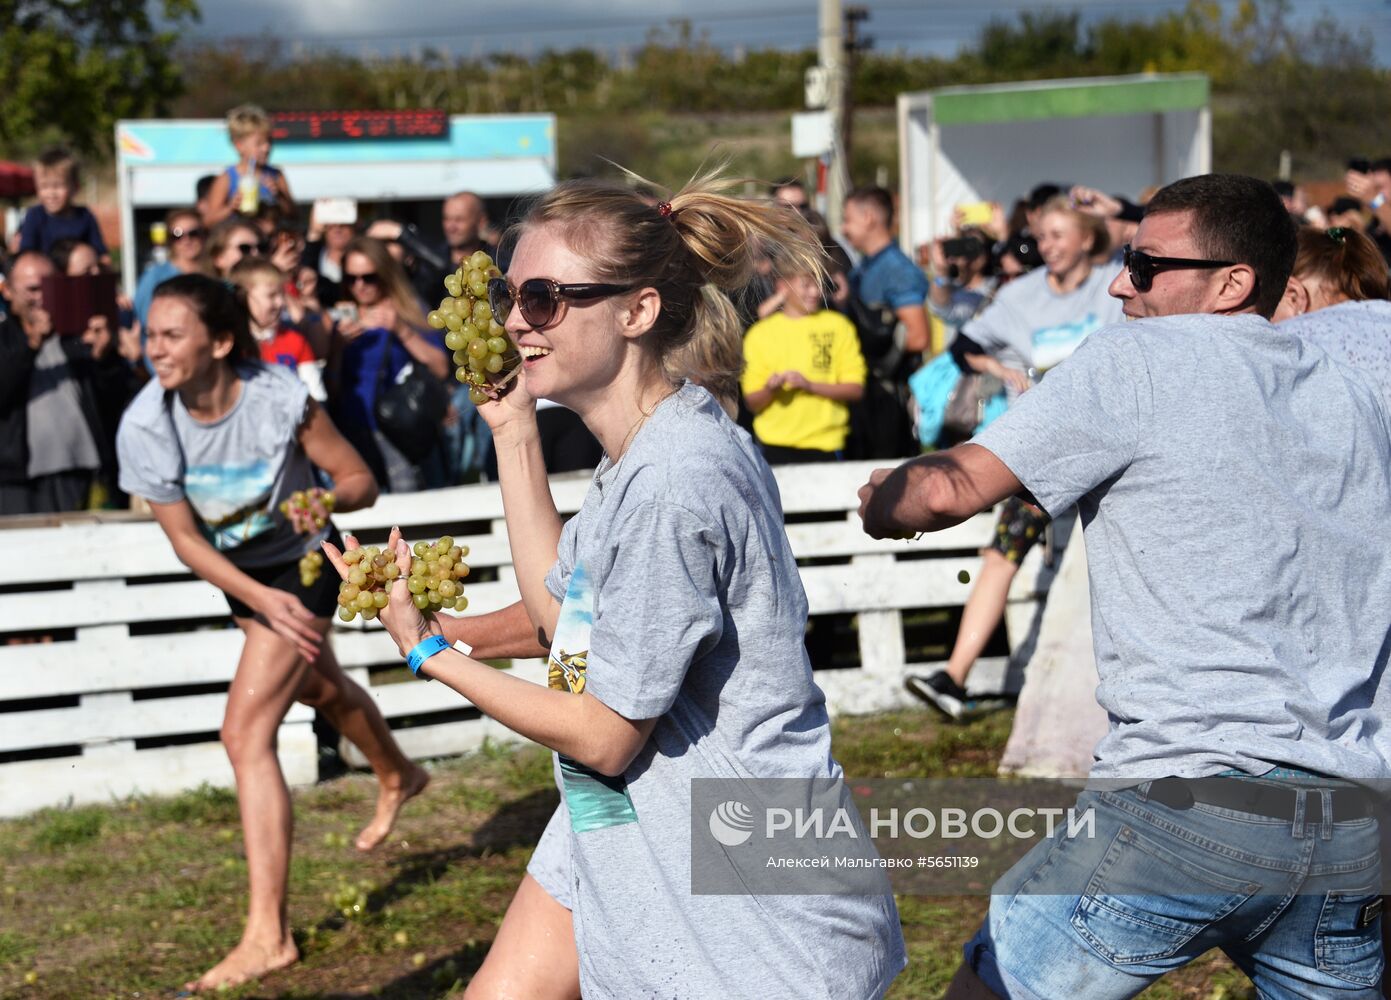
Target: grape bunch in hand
[311, 564]
[434, 579]
[486, 357]
[308, 510]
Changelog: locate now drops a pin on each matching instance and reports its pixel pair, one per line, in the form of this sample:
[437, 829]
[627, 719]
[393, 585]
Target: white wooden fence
[114, 660]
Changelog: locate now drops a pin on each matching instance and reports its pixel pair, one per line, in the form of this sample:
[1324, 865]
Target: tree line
[72, 67]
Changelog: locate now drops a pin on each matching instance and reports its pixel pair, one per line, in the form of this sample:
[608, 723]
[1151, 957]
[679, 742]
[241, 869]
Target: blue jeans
[1097, 917]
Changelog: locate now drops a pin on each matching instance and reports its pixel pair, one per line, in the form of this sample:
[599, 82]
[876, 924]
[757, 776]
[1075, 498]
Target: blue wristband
[423, 650]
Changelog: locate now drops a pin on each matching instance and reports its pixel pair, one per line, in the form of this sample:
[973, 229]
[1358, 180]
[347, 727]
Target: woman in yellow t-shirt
[802, 369]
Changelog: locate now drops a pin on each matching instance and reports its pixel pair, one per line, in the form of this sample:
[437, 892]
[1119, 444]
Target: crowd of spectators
[881, 356]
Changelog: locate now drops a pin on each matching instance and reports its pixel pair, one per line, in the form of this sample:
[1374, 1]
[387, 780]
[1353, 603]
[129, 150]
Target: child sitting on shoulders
[803, 369]
[55, 218]
[252, 181]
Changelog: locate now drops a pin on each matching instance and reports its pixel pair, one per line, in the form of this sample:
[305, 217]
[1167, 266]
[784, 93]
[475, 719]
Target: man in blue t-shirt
[1230, 478]
[888, 302]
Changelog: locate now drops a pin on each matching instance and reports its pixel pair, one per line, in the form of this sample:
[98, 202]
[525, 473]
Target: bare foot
[389, 803]
[245, 962]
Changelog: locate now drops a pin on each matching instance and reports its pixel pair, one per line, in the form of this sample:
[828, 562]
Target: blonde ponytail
[728, 235]
[713, 355]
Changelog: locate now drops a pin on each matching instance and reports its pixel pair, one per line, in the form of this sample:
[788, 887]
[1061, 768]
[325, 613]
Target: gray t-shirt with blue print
[1031, 326]
[234, 472]
[681, 601]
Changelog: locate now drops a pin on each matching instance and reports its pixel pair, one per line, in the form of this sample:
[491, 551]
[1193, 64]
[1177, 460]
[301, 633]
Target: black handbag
[410, 409]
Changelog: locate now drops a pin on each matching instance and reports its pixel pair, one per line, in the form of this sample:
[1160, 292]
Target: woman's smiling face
[581, 350]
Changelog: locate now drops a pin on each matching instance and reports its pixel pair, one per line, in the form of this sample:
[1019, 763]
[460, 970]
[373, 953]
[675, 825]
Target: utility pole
[854, 45]
[831, 56]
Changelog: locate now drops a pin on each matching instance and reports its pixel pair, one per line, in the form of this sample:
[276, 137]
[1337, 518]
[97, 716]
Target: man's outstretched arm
[934, 491]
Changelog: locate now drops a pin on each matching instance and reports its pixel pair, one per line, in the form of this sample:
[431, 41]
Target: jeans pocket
[1346, 945]
[1145, 902]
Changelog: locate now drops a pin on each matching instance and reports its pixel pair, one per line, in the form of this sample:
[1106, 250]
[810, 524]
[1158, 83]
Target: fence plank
[34, 784]
[104, 718]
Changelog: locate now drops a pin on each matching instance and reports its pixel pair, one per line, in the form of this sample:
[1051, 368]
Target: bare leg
[533, 956]
[353, 713]
[267, 677]
[984, 609]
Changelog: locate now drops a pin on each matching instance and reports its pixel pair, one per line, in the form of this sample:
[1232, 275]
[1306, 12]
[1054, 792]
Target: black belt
[1260, 799]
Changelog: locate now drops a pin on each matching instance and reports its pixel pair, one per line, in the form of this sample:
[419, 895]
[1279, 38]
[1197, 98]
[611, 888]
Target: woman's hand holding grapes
[401, 617]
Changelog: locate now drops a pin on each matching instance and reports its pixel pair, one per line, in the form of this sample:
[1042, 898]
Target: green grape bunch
[311, 564]
[486, 357]
[308, 510]
[435, 579]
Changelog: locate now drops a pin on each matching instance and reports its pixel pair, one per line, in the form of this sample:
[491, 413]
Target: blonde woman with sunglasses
[674, 614]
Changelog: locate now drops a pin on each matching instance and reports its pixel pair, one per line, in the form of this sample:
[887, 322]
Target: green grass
[140, 896]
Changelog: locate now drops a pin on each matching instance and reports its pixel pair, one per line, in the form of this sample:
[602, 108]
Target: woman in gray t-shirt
[675, 617]
[1035, 323]
[215, 442]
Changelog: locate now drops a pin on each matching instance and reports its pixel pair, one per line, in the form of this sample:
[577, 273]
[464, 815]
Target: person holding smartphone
[1369, 181]
[58, 441]
[379, 330]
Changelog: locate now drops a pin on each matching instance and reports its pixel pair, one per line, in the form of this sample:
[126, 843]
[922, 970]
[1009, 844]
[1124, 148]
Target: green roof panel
[1072, 100]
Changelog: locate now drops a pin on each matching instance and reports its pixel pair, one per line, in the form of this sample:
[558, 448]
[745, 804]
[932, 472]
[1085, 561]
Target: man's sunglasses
[539, 298]
[1143, 267]
[367, 278]
[195, 233]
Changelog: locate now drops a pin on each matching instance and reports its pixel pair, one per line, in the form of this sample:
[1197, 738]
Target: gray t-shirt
[59, 438]
[681, 600]
[1235, 486]
[1356, 333]
[234, 472]
[1031, 326]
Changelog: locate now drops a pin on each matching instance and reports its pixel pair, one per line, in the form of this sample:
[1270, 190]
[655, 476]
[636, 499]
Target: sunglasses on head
[539, 298]
[1143, 267]
[367, 278]
[192, 233]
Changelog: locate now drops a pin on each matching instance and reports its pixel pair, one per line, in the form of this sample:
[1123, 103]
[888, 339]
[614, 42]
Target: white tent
[996, 142]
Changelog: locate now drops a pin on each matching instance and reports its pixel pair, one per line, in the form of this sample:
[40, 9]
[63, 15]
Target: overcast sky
[528, 26]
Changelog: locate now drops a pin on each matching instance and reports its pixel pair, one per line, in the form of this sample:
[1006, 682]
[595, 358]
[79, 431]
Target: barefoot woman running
[215, 444]
[674, 614]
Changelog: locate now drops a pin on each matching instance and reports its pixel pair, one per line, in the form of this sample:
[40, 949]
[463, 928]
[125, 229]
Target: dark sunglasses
[247, 249]
[367, 278]
[1143, 267]
[196, 233]
[539, 298]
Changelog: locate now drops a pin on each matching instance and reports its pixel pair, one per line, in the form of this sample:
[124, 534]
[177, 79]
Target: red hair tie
[664, 209]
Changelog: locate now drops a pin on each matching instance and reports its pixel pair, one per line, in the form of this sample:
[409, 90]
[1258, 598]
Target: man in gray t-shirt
[1234, 482]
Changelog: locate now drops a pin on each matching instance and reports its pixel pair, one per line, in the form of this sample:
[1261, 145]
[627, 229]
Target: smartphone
[344, 312]
[335, 211]
[71, 301]
[1361, 166]
[975, 213]
[965, 246]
